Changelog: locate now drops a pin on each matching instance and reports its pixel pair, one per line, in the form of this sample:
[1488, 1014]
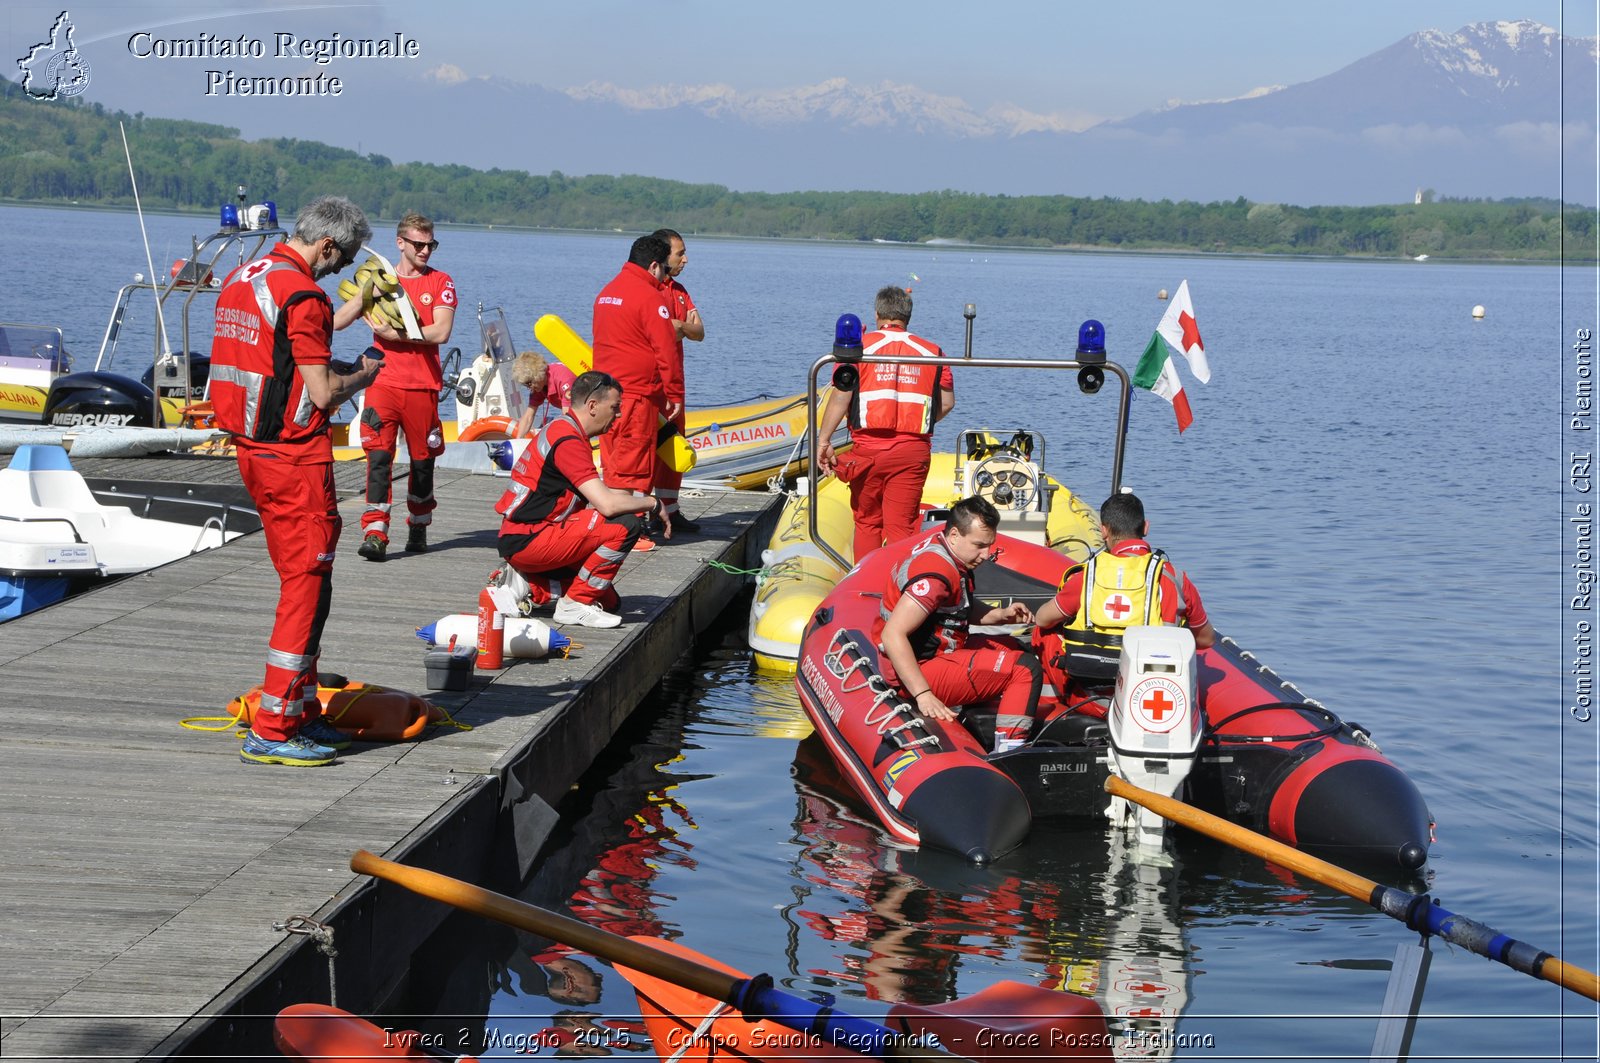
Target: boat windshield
[496, 334]
[37, 347]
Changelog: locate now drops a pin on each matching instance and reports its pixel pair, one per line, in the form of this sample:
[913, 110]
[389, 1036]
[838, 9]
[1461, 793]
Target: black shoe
[417, 539]
[682, 525]
[373, 548]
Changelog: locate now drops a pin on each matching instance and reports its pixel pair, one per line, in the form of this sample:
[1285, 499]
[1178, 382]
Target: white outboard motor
[1155, 723]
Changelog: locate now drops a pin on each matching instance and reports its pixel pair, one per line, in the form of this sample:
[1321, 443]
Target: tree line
[66, 151]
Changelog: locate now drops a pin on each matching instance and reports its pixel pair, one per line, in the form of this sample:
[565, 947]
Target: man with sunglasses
[406, 397]
[277, 409]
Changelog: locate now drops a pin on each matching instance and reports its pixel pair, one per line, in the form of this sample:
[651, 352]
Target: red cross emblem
[1118, 606]
[1157, 704]
[1146, 988]
[1191, 331]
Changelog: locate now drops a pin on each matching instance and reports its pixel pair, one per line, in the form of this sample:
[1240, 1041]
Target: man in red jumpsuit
[635, 342]
[406, 396]
[272, 387]
[1126, 584]
[892, 409]
[923, 628]
[687, 325]
[561, 525]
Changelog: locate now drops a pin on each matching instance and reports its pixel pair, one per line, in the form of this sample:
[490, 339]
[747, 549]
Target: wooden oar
[752, 996]
[1419, 913]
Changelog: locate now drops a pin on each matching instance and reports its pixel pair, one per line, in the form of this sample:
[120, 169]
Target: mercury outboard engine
[166, 377]
[1155, 723]
[98, 399]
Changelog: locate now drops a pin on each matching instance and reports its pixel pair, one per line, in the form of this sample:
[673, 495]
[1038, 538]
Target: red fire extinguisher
[491, 633]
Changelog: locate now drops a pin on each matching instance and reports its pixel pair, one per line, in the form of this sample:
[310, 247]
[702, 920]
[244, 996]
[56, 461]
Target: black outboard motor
[166, 377]
[97, 399]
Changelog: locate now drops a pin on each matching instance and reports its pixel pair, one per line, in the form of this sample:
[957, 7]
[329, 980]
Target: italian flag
[1157, 373]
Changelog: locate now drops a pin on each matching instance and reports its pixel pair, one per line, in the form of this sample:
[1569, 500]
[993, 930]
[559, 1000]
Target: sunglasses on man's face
[422, 245]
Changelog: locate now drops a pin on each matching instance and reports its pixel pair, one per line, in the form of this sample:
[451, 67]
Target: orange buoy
[361, 710]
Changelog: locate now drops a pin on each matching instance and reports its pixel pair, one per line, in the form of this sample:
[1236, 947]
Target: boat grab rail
[76, 537]
[1106, 367]
[882, 694]
[212, 523]
[141, 505]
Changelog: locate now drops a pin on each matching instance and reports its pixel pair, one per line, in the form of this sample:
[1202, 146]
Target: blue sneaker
[297, 752]
[323, 733]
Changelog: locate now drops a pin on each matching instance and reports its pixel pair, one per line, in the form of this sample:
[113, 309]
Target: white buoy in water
[1162, 294]
[1478, 311]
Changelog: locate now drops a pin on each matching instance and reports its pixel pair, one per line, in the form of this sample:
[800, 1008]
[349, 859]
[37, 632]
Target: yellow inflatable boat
[798, 573]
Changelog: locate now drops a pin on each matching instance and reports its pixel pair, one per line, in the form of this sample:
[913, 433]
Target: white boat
[56, 537]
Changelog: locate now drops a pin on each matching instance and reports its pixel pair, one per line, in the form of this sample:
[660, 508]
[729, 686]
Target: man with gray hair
[273, 387]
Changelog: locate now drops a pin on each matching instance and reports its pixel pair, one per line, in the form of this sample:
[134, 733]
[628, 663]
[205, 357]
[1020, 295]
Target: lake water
[1374, 498]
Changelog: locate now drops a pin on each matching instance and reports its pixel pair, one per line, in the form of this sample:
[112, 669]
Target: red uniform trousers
[628, 447]
[985, 669]
[668, 481]
[386, 411]
[584, 552]
[300, 520]
[886, 492]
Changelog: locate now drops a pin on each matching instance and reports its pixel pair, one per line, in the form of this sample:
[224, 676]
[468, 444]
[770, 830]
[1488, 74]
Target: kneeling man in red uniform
[923, 628]
[562, 524]
[272, 386]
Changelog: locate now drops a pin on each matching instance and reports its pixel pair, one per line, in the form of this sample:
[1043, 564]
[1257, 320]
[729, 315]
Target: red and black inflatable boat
[1269, 758]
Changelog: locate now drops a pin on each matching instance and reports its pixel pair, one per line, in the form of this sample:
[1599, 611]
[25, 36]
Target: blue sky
[1084, 61]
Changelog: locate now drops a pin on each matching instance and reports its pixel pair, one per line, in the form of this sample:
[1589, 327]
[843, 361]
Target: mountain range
[1494, 110]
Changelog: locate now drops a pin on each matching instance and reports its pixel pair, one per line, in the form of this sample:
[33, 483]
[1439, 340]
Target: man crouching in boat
[923, 628]
[562, 524]
[1126, 584]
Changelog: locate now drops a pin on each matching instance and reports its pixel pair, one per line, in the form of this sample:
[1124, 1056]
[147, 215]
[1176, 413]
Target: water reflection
[1082, 915]
[712, 825]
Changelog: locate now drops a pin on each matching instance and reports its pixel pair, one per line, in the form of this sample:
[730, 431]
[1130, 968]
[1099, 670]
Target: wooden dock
[148, 871]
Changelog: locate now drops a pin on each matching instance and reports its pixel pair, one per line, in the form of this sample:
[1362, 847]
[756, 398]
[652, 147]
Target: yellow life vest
[1117, 593]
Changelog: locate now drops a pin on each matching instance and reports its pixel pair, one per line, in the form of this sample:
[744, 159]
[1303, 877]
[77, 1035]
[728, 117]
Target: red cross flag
[1178, 328]
[1155, 371]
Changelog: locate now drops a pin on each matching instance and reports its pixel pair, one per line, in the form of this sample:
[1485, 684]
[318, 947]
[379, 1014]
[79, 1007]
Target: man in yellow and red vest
[1126, 584]
[562, 525]
[406, 397]
[892, 409]
[272, 387]
[924, 621]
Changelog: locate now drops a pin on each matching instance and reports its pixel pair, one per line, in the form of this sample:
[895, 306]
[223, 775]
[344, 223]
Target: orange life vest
[896, 398]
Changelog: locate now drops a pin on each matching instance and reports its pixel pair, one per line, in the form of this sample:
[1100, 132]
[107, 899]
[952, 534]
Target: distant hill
[1475, 113]
[70, 151]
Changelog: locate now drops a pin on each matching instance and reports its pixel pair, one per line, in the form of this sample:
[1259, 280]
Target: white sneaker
[1006, 745]
[584, 614]
[510, 592]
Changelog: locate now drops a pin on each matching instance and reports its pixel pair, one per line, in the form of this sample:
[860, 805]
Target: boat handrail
[1107, 367]
[76, 536]
[217, 523]
[193, 280]
[142, 502]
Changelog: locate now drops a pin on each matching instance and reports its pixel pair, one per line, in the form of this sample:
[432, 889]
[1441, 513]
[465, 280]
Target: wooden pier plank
[146, 864]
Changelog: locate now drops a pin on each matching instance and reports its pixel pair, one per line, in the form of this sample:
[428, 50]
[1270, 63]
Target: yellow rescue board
[573, 352]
